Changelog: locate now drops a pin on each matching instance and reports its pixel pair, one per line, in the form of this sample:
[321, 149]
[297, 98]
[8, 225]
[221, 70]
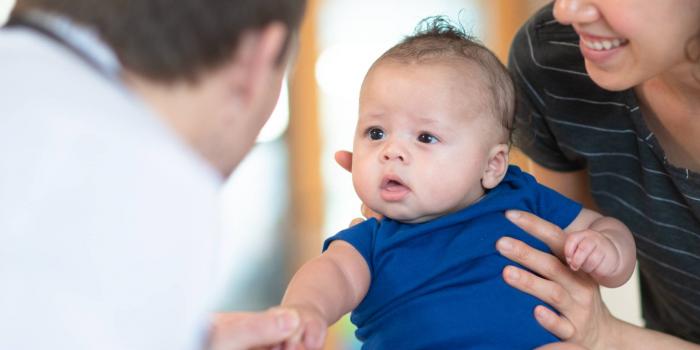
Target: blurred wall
[5, 7]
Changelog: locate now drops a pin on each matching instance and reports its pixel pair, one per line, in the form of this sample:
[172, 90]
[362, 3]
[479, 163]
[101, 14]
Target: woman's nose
[575, 11]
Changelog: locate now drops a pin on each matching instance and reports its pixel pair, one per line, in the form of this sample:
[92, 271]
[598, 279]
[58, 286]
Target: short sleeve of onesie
[360, 236]
[549, 204]
[556, 208]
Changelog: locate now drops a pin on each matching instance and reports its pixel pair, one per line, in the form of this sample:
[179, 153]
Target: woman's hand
[584, 319]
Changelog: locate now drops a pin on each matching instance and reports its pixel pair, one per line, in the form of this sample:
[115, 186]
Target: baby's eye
[375, 133]
[427, 138]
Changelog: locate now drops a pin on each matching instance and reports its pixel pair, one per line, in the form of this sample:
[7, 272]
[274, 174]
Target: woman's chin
[611, 81]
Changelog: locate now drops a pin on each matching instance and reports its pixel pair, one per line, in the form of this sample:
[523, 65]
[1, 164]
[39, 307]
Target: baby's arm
[601, 246]
[325, 289]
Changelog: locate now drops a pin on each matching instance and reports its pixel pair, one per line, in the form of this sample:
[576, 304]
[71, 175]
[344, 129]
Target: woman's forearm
[626, 336]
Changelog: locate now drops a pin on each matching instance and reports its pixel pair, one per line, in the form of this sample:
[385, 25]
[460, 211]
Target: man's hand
[252, 330]
[311, 334]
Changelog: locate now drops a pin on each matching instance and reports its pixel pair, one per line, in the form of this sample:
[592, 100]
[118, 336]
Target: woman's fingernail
[513, 273]
[513, 214]
[504, 245]
[287, 320]
[541, 314]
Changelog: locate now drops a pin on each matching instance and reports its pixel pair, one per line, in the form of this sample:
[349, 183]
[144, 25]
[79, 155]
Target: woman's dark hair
[167, 40]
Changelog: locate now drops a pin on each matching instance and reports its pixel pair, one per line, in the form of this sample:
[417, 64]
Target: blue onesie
[438, 284]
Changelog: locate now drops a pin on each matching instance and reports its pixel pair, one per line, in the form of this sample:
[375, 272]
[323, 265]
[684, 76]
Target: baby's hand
[592, 252]
[312, 330]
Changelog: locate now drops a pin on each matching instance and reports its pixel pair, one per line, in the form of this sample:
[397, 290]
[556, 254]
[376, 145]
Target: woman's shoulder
[544, 49]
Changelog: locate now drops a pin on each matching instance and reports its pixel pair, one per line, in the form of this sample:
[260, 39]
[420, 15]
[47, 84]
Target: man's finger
[344, 159]
[239, 331]
[543, 230]
[314, 336]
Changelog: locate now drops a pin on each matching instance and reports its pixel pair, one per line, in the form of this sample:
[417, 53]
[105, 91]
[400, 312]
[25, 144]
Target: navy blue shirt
[438, 284]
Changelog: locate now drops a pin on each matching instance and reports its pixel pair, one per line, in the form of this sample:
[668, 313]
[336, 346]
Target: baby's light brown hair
[436, 37]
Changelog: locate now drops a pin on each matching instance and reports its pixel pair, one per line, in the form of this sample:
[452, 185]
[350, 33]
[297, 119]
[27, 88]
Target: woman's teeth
[601, 45]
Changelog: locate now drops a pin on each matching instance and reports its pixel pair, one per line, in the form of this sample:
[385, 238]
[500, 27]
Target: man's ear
[496, 166]
[256, 61]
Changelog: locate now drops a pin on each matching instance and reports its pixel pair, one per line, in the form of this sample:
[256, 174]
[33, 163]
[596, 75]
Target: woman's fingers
[551, 321]
[573, 294]
[356, 221]
[561, 346]
[544, 264]
[550, 292]
[543, 230]
[344, 159]
[369, 213]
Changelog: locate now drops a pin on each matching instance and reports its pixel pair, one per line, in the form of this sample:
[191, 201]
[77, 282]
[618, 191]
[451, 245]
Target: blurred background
[288, 194]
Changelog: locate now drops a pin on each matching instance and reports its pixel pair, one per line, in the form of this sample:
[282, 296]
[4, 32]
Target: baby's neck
[433, 216]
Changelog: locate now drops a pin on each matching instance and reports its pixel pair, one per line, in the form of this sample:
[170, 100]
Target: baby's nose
[391, 155]
[394, 150]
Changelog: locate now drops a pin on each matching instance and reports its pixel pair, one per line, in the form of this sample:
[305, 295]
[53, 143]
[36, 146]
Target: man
[118, 122]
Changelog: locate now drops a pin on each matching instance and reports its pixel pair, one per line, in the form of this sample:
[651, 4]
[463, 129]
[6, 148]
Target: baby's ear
[496, 166]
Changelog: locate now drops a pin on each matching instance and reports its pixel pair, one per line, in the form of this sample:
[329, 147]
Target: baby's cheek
[368, 194]
[438, 198]
[454, 191]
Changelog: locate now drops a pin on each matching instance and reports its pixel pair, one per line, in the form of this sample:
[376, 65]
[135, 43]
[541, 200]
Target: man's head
[434, 125]
[167, 40]
[212, 69]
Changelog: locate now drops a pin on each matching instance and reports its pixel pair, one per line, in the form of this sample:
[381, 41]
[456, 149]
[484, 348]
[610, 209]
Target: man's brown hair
[168, 40]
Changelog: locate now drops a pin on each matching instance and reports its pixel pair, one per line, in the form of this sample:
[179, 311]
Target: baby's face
[423, 139]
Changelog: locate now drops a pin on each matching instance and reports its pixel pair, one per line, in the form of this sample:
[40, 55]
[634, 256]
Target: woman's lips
[603, 44]
[599, 50]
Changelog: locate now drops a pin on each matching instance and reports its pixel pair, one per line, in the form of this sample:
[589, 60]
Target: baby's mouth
[393, 189]
[390, 183]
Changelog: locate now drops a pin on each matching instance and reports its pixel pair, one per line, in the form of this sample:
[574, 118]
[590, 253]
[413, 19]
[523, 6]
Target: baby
[431, 155]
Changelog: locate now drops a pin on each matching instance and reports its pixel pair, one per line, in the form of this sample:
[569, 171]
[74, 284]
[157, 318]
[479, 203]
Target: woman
[611, 109]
